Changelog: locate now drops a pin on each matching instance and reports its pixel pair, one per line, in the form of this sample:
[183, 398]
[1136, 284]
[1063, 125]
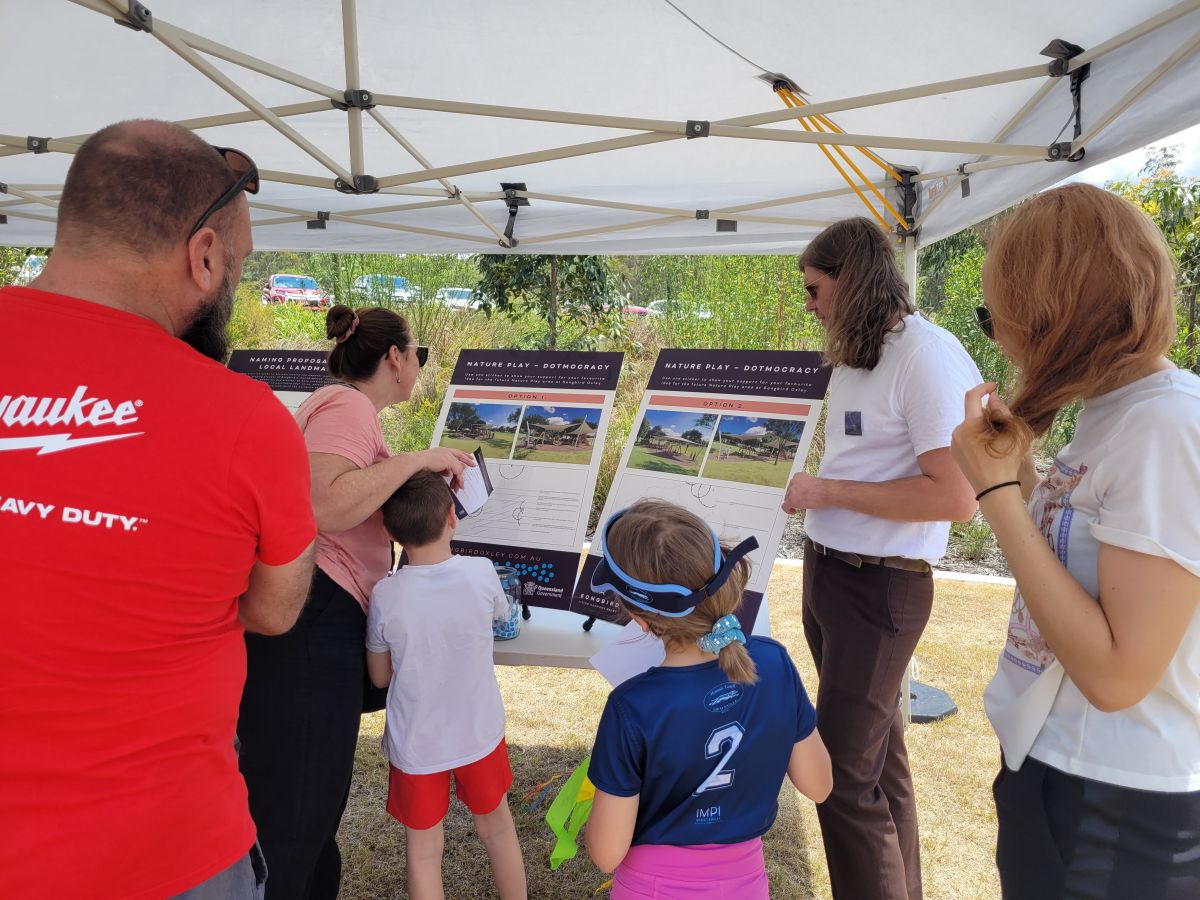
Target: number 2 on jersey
[726, 738]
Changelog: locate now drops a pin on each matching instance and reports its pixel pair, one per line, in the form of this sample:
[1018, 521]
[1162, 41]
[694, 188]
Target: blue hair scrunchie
[726, 630]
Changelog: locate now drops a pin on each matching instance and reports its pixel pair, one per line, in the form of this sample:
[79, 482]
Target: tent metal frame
[31, 201]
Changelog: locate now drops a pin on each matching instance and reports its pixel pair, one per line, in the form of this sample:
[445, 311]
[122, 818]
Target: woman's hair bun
[338, 321]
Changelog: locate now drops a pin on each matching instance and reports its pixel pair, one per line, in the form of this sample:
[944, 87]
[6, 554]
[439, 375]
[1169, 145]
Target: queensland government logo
[65, 415]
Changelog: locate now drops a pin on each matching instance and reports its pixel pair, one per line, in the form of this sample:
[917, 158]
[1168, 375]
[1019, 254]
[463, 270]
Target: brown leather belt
[858, 560]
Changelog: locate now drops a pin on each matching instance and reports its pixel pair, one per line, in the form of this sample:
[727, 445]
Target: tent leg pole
[910, 266]
[910, 278]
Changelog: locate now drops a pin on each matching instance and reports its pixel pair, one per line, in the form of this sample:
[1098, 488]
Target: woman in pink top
[305, 690]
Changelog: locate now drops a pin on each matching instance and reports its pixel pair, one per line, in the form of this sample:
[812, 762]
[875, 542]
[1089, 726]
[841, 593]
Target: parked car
[627, 309]
[384, 289]
[301, 289]
[457, 298]
[664, 307]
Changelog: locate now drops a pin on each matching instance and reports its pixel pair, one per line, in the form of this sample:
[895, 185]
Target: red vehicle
[301, 289]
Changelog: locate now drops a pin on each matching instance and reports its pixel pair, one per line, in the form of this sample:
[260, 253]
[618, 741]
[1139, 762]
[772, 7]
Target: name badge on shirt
[854, 423]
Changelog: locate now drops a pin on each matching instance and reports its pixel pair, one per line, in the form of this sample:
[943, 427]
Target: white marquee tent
[631, 126]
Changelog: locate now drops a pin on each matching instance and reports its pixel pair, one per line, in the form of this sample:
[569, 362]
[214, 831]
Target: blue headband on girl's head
[672, 600]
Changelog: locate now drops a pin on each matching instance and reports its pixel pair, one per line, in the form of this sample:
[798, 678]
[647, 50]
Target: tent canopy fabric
[635, 126]
[671, 438]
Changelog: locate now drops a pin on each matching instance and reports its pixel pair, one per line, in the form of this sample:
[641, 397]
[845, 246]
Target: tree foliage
[1173, 202]
[936, 263]
[736, 302]
[579, 292]
[461, 417]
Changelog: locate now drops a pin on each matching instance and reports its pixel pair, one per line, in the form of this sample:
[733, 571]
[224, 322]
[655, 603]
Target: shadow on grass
[662, 461]
[372, 843]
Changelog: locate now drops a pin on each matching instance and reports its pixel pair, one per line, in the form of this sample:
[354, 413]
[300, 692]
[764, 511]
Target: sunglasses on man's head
[247, 180]
[983, 318]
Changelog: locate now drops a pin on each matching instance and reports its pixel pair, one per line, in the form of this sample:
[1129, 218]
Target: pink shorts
[702, 872]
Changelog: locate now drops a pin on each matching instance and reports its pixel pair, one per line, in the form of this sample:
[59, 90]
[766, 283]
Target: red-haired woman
[1096, 699]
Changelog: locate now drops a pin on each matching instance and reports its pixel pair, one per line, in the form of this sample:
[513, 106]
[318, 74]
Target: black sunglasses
[422, 356]
[983, 318]
[247, 180]
[811, 289]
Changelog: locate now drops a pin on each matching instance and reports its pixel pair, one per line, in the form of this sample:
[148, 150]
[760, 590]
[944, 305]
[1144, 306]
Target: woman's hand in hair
[446, 461]
[984, 460]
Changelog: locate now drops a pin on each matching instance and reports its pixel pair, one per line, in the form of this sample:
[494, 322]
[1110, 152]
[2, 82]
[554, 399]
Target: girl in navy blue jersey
[690, 756]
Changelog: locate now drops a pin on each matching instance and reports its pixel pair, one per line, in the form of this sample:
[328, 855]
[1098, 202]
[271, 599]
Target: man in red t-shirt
[152, 505]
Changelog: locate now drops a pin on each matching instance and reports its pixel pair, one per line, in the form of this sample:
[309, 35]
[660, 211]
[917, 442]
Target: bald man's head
[140, 185]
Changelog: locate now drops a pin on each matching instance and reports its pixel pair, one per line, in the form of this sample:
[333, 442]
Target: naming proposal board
[291, 374]
[539, 418]
[719, 432]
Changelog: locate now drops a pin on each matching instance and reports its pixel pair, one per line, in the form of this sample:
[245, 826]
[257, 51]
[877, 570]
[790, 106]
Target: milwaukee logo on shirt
[62, 413]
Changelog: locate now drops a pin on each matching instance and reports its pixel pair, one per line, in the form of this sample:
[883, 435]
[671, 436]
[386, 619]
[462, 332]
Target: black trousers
[298, 727]
[1062, 836]
[862, 625]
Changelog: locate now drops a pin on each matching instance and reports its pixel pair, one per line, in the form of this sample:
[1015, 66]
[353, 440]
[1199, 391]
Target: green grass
[498, 447]
[579, 456]
[745, 469]
[651, 460]
[551, 721]
[974, 537]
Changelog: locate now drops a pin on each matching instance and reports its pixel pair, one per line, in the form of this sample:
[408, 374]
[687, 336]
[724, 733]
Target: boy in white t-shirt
[429, 641]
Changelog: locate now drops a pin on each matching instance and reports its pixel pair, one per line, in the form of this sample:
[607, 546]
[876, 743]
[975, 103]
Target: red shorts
[421, 801]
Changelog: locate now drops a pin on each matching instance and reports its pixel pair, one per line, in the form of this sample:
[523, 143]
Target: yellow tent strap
[865, 151]
[834, 127]
[819, 121]
[829, 156]
[845, 156]
[869, 154]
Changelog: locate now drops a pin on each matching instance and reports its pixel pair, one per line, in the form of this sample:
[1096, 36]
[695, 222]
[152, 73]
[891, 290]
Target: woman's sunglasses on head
[247, 180]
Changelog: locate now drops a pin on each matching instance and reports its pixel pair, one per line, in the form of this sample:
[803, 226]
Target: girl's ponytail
[737, 665]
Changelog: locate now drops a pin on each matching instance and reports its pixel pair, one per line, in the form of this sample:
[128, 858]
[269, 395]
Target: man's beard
[208, 334]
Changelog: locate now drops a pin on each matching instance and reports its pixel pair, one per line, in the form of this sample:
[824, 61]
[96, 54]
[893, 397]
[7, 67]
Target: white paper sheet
[476, 488]
[631, 653]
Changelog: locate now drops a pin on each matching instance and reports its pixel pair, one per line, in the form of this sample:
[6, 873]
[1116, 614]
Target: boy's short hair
[415, 514]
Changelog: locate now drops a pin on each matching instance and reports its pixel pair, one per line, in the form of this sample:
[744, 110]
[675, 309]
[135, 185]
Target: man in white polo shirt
[878, 519]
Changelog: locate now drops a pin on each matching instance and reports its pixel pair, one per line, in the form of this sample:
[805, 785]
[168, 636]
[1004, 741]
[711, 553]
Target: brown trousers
[862, 626]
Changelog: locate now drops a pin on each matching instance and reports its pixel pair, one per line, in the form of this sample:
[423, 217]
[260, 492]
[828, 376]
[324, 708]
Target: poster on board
[291, 374]
[719, 432]
[539, 418]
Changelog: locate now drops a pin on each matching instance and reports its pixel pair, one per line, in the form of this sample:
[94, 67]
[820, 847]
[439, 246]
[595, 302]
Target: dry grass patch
[552, 715]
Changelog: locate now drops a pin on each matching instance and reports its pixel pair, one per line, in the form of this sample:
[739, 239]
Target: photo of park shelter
[752, 450]
[491, 426]
[558, 434]
[672, 442]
